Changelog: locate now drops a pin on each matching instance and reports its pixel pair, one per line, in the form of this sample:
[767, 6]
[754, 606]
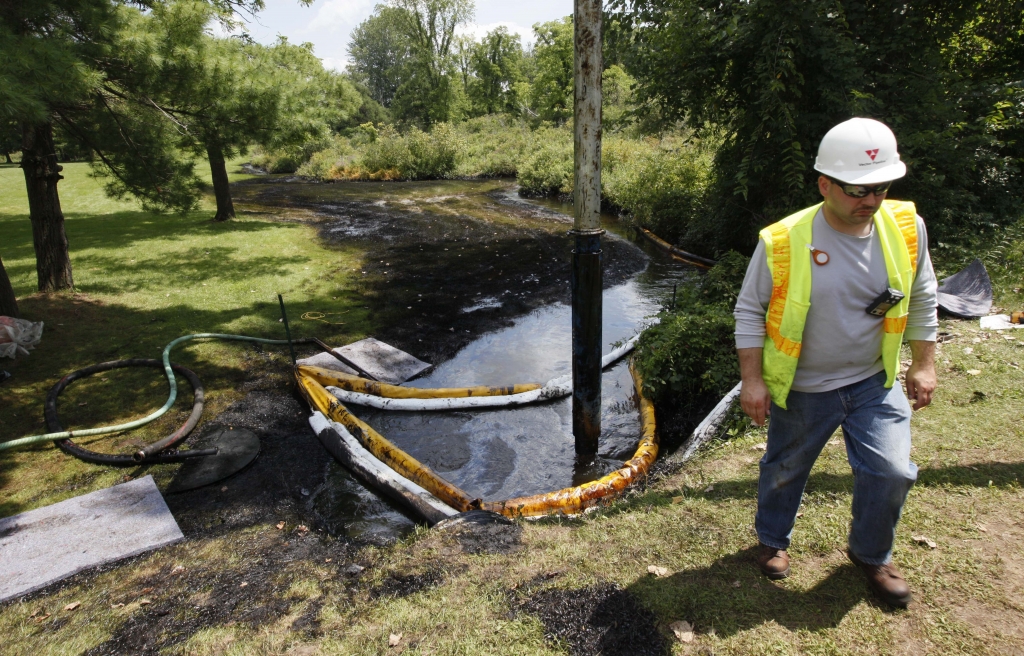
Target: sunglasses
[860, 191]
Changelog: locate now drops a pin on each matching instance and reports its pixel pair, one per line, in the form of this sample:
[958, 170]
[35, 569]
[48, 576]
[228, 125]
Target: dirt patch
[998, 622]
[601, 619]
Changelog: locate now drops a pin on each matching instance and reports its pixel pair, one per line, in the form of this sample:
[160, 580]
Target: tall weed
[658, 184]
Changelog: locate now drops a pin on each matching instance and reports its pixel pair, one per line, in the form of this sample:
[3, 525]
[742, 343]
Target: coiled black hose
[152, 454]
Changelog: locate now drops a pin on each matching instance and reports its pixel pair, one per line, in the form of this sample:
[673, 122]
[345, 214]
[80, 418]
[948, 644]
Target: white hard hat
[860, 151]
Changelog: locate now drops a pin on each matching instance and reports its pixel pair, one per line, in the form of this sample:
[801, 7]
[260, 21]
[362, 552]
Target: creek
[499, 338]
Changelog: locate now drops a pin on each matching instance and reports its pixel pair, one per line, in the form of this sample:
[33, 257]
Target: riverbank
[239, 584]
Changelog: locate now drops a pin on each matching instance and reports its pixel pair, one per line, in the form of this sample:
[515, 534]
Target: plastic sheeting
[18, 336]
[967, 293]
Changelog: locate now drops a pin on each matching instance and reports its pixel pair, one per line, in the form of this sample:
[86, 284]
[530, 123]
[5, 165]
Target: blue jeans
[876, 425]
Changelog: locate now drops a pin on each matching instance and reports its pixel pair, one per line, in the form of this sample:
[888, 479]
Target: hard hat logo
[842, 149]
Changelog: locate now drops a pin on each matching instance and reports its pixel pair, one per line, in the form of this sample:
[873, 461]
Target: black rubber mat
[237, 448]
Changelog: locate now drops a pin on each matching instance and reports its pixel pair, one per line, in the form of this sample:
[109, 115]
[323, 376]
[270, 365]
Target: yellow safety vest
[789, 260]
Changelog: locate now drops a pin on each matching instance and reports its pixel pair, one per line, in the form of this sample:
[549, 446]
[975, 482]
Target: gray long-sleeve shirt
[842, 344]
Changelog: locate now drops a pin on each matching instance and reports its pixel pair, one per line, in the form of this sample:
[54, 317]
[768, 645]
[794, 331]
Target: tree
[43, 67]
[616, 95]
[496, 63]
[553, 59]
[771, 77]
[427, 94]
[222, 95]
[463, 51]
[380, 50]
[8, 302]
[56, 63]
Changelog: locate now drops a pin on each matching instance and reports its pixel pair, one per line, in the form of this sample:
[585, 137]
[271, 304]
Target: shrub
[435, 155]
[721, 285]
[689, 358]
[288, 159]
[549, 170]
[320, 165]
[496, 145]
[415, 155]
[658, 184]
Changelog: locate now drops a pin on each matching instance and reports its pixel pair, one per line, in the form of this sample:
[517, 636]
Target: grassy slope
[697, 522]
[143, 279]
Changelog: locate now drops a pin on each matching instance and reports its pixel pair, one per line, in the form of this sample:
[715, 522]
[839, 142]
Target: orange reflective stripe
[906, 220]
[897, 325]
[780, 281]
[784, 345]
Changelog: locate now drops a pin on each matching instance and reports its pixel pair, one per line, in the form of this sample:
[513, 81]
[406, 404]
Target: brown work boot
[887, 582]
[774, 563]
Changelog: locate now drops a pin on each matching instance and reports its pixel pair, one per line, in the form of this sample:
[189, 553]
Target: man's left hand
[921, 379]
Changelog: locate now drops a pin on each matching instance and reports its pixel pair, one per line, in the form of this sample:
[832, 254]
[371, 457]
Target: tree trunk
[8, 303]
[221, 189]
[8, 156]
[39, 163]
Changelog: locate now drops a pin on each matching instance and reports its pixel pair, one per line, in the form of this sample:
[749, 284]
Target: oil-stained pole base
[586, 340]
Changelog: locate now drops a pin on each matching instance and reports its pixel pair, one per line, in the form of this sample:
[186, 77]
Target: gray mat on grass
[381, 360]
[48, 544]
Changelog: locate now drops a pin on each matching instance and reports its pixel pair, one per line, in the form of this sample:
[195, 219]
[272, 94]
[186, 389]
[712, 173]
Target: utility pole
[586, 256]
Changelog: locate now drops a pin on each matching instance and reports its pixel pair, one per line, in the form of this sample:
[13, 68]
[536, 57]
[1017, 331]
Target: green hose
[104, 430]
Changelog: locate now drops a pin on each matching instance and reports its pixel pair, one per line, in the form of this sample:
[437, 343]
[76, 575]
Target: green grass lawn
[141, 280]
[144, 279]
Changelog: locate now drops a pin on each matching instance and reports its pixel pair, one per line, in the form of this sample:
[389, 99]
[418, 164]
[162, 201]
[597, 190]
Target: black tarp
[968, 293]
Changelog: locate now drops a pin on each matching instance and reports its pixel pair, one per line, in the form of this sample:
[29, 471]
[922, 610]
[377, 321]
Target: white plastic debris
[18, 336]
[998, 322]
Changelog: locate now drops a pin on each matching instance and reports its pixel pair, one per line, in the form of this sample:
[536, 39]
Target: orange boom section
[574, 500]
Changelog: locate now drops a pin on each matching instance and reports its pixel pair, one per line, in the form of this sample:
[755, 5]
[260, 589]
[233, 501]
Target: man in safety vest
[830, 294]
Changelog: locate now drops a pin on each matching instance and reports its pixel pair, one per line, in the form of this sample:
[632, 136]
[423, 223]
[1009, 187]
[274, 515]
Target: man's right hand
[756, 400]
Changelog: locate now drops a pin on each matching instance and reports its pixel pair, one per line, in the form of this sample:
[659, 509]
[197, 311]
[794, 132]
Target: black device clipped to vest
[884, 302]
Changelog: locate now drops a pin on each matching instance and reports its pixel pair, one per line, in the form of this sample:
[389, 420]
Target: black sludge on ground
[601, 619]
[482, 531]
[403, 585]
[270, 490]
[180, 601]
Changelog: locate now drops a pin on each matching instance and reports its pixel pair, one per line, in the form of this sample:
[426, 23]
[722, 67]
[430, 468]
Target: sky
[327, 24]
